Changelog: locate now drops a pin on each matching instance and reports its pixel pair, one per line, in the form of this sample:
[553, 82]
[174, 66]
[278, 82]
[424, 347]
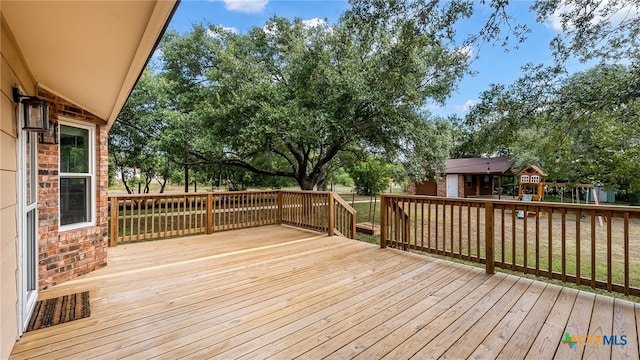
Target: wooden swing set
[532, 184]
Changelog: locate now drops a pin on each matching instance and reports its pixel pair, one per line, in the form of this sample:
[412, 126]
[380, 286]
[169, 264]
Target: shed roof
[497, 165]
[532, 169]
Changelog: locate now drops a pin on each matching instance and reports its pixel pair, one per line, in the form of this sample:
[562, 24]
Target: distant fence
[597, 246]
[141, 217]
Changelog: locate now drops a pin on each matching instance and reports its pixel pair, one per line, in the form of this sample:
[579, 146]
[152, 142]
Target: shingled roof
[498, 165]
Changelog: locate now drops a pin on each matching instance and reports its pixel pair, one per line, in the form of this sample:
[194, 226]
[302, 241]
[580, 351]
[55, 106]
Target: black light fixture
[36, 112]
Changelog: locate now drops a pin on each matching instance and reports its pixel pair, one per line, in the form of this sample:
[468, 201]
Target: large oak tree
[287, 98]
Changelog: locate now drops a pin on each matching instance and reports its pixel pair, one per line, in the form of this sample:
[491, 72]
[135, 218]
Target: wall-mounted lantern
[36, 112]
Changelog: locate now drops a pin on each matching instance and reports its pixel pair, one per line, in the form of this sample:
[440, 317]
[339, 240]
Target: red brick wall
[411, 187]
[442, 186]
[461, 186]
[66, 255]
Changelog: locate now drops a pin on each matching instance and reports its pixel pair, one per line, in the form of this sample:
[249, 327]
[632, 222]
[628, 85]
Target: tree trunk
[162, 185]
[305, 183]
[124, 181]
[322, 185]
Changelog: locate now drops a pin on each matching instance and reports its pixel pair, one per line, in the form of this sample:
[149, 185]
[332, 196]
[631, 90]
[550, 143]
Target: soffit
[88, 52]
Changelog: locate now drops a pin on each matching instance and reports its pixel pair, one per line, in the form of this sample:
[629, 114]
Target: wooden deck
[279, 292]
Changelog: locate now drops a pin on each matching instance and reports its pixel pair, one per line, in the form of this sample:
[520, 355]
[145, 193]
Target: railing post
[279, 212]
[331, 213]
[489, 238]
[209, 213]
[353, 225]
[383, 221]
[113, 236]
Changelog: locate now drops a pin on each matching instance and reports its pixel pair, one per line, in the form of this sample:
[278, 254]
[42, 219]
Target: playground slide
[525, 197]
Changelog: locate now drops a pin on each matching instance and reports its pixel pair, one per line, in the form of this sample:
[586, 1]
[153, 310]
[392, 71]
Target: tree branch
[242, 164]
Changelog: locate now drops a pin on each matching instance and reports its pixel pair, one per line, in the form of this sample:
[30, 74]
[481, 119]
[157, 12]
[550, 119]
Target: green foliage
[133, 139]
[372, 176]
[592, 29]
[342, 177]
[287, 99]
[581, 128]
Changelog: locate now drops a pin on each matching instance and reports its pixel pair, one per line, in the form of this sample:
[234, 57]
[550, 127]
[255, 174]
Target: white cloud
[314, 22]
[467, 51]
[602, 13]
[230, 29]
[245, 6]
[555, 21]
[431, 106]
[270, 29]
[466, 106]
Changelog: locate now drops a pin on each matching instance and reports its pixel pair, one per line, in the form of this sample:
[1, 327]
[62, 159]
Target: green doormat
[59, 310]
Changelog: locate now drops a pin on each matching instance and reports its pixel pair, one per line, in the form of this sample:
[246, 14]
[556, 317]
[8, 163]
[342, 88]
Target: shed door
[452, 185]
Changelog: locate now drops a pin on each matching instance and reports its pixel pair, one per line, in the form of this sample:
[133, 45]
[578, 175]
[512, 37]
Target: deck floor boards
[283, 293]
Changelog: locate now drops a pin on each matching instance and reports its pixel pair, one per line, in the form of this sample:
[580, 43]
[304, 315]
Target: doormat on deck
[59, 310]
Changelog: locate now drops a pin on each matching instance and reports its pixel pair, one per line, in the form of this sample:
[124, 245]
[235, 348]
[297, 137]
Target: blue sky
[494, 65]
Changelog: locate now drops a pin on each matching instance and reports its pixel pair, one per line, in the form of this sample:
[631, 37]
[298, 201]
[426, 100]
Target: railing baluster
[415, 224]
[435, 226]
[469, 252]
[131, 215]
[609, 263]
[525, 240]
[564, 244]
[514, 212]
[115, 219]
[451, 232]
[444, 229]
[593, 249]
[502, 237]
[459, 252]
[578, 279]
[478, 231]
[537, 241]
[489, 257]
[550, 240]
[429, 204]
[422, 225]
[625, 239]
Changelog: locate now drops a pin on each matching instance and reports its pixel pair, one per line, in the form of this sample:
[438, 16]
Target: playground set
[531, 187]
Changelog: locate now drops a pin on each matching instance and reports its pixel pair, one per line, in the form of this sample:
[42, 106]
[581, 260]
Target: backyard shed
[466, 177]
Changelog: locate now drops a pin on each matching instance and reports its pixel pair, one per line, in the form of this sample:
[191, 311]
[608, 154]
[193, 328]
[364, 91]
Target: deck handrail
[140, 217]
[559, 241]
[344, 217]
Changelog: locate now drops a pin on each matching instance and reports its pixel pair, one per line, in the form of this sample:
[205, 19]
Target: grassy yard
[536, 242]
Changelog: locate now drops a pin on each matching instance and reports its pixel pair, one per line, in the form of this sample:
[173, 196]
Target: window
[468, 181]
[524, 178]
[76, 175]
[535, 179]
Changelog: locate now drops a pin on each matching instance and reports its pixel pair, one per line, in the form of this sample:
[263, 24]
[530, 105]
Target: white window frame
[91, 175]
[535, 179]
[524, 178]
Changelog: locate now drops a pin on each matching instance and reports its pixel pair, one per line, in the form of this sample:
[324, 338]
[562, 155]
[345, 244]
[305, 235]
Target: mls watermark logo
[594, 340]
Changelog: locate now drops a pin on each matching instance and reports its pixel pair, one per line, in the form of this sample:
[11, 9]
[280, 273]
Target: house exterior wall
[61, 255]
[441, 185]
[65, 255]
[411, 186]
[13, 72]
[427, 187]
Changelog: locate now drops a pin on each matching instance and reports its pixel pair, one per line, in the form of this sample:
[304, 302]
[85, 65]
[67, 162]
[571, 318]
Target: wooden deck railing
[559, 241]
[142, 217]
[344, 218]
